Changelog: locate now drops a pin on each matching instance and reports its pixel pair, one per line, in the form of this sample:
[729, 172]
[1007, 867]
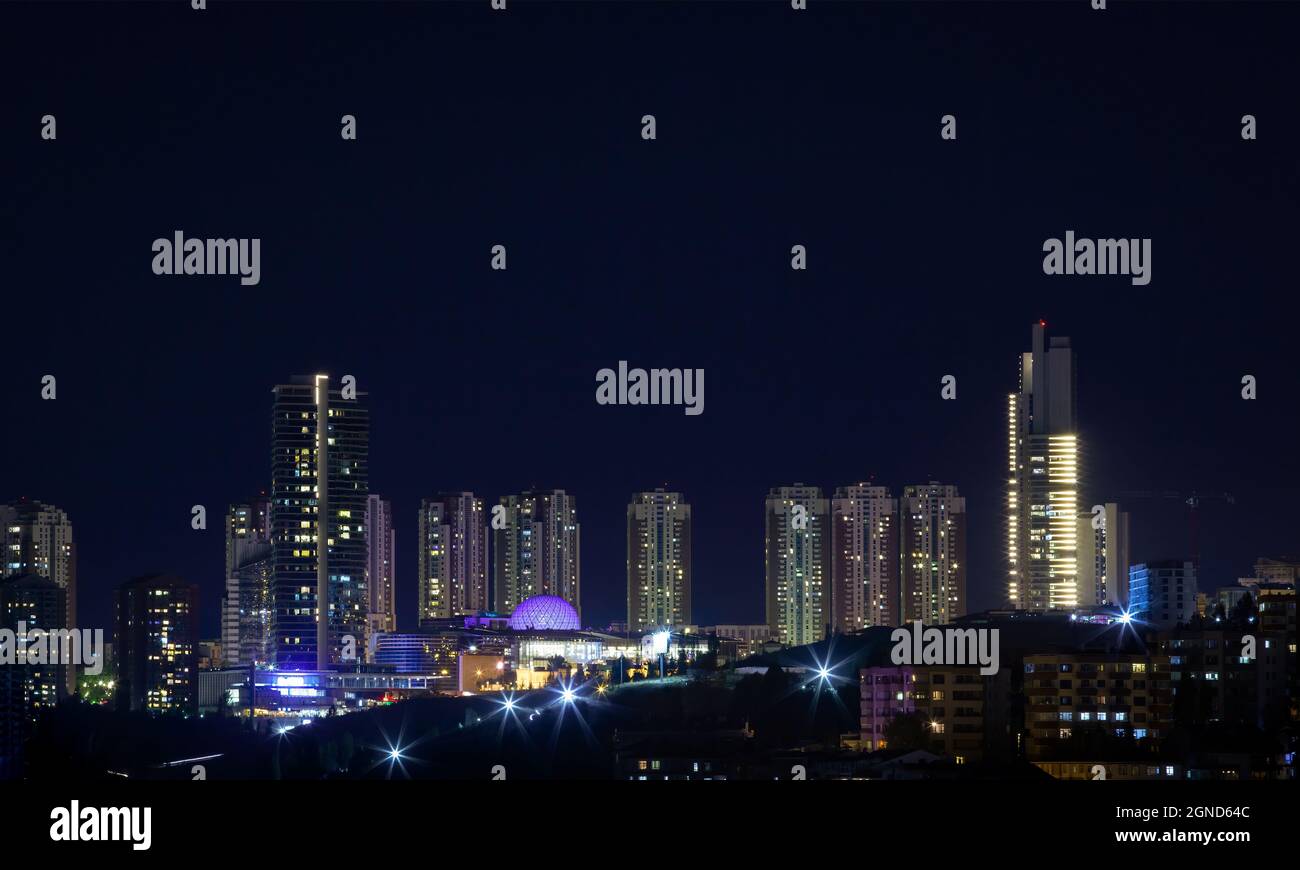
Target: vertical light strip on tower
[1063, 507]
[322, 522]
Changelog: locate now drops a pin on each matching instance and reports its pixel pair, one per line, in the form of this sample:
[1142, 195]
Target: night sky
[774, 128]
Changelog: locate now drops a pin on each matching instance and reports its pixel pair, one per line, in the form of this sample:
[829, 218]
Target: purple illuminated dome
[544, 613]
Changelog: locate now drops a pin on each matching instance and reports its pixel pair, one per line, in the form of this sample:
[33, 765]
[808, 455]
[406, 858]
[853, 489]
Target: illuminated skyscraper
[250, 521]
[27, 687]
[536, 551]
[37, 539]
[658, 561]
[319, 489]
[453, 556]
[933, 553]
[247, 606]
[1043, 479]
[35, 603]
[381, 564]
[798, 550]
[864, 558]
[156, 643]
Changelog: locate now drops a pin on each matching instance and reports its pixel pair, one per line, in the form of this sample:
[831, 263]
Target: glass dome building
[544, 613]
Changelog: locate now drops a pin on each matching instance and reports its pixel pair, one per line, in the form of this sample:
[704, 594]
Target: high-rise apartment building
[1103, 540]
[381, 564]
[864, 558]
[536, 549]
[658, 561]
[1043, 479]
[247, 608]
[37, 539]
[797, 552]
[250, 521]
[36, 603]
[933, 553]
[319, 489]
[453, 557]
[29, 602]
[156, 644]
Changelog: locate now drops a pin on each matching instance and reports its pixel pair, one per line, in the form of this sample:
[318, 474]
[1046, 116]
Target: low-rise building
[949, 699]
[1218, 679]
[1123, 695]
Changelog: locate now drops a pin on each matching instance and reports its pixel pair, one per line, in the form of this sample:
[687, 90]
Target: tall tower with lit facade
[156, 645]
[319, 489]
[1043, 479]
[381, 564]
[658, 561]
[798, 549]
[246, 609]
[933, 553]
[29, 602]
[864, 558]
[536, 548]
[453, 556]
[37, 539]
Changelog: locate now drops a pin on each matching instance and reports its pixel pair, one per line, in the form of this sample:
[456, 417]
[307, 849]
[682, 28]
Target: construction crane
[1193, 501]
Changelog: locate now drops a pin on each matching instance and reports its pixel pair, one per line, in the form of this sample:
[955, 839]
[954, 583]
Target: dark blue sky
[774, 128]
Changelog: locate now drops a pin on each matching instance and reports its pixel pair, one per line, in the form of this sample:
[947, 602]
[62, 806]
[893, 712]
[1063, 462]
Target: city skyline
[830, 375]
[356, 424]
[408, 616]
